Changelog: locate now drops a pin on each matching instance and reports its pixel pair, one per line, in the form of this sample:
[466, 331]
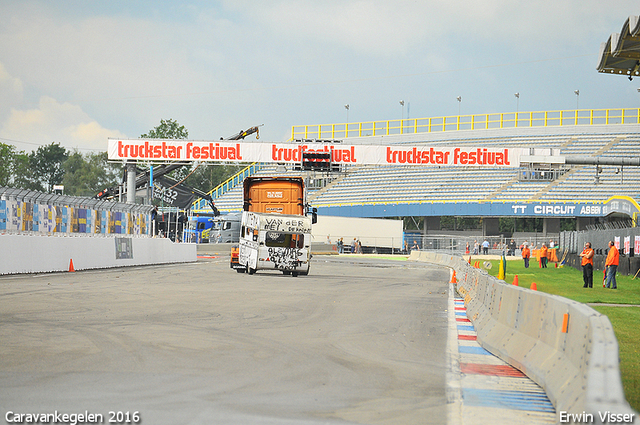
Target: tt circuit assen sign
[230, 151]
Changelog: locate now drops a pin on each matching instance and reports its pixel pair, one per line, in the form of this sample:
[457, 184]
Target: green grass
[567, 282]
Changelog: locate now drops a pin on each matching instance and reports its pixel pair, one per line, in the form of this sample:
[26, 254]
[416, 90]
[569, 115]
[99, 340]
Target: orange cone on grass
[515, 280]
[534, 287]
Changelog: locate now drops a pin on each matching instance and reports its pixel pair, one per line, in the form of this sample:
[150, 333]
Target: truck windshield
[284, 240]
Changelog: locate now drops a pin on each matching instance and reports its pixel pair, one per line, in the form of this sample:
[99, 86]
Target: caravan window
[284, 240]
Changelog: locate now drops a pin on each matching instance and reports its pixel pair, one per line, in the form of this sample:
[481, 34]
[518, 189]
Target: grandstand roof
[621, 53]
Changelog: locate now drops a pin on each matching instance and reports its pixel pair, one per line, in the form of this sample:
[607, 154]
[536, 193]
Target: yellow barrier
[468, 122]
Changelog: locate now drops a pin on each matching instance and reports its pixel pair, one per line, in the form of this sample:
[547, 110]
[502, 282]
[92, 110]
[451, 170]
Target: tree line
[89, 173]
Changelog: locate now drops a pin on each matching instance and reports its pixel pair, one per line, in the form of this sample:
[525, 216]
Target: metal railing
[230, 183]
[571, 117]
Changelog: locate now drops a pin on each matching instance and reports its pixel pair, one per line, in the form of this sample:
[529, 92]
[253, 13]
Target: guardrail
[560, 118]
[568, 348]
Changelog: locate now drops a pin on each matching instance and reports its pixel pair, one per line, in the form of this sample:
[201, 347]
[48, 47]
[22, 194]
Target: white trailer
[373, 232]
[274, 242]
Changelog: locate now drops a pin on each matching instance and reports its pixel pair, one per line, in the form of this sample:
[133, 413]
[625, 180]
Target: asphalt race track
[359, 340]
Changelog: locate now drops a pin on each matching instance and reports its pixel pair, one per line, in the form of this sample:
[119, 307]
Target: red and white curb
[481, 388]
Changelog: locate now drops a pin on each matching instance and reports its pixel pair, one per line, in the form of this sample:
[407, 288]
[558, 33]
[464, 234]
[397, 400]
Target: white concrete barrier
[20, 253]
[568, 348]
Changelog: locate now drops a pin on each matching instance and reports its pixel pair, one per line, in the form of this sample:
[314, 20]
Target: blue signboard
[541, 209]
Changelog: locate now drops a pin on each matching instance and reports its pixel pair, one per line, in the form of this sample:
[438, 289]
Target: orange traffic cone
[453, 277]
[515, 280]
[71, 269]
[534, 287]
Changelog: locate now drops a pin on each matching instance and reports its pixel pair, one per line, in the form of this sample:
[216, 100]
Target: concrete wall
[21, 253]
[579, 368]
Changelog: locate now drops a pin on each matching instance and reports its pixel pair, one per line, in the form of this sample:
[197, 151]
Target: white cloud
[53, 121]
[11, 91]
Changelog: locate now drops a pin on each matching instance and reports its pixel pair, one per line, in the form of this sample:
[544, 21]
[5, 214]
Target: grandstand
[410, 190]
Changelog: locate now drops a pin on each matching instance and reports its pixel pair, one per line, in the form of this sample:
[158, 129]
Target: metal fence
[571, 117]
[32, 212]
[473, 245]
[599, 239]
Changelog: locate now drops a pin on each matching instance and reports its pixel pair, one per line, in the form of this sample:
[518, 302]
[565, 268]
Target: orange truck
[275, 231]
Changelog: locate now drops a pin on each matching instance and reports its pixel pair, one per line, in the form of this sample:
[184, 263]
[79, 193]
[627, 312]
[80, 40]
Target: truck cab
[225, 229]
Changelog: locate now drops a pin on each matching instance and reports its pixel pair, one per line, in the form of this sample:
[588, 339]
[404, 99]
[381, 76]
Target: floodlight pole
[517, 95]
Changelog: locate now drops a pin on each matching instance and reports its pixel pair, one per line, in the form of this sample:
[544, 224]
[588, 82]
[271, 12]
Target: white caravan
[275, 242]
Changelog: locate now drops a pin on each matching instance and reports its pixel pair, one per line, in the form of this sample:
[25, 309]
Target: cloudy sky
[78, 72]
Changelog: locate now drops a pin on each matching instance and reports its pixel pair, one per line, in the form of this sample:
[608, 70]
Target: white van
[275, 242]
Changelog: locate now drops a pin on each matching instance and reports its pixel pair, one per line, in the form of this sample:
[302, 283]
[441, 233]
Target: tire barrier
[566, 347]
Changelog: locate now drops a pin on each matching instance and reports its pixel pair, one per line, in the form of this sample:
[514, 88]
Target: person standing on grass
[526, 254]
[587, 265]
[485, 247]
[543, 256]
[611, 266]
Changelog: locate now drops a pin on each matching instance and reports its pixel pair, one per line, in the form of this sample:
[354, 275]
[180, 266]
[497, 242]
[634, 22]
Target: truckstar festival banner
[230, 151]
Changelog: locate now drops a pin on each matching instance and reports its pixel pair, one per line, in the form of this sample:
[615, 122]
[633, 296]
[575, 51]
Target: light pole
[346, 125]
[459, 99]
[402, 116]
[577, 92]
[517, 95]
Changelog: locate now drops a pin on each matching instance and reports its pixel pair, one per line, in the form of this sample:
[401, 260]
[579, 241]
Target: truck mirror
[314, 217]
